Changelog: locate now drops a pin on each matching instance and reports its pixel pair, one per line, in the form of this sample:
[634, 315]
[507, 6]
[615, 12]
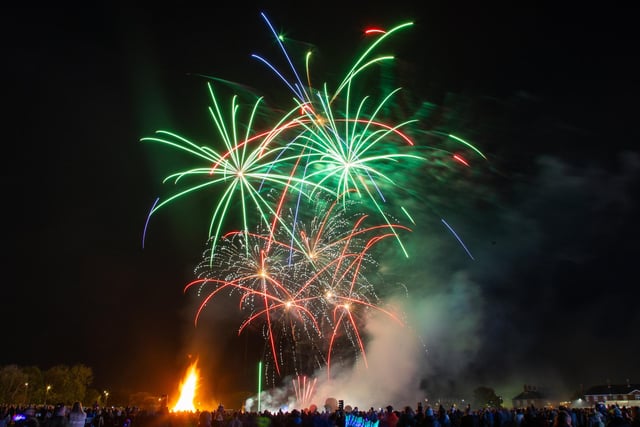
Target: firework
[245, 167]
[345, 144]
[329, 142]
[304, 388]
[310, 293]
[309, 186]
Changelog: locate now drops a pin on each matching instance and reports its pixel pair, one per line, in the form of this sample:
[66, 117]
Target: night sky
[550, 94]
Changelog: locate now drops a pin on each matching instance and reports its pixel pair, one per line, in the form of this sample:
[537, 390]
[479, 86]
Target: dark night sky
[549, 93]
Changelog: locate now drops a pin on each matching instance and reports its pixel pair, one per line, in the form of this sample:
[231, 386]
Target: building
[614, 394]
[535, 396]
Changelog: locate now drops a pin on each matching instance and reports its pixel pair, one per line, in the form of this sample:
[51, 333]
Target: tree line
[29, 385]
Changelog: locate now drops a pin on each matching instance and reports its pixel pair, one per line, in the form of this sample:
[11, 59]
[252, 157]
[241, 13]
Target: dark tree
[486, 397]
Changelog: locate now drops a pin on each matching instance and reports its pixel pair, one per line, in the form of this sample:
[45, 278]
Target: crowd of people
[61, 415]
[76, 416]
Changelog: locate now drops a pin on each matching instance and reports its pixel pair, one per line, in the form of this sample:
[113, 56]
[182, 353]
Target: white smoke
[398, 355]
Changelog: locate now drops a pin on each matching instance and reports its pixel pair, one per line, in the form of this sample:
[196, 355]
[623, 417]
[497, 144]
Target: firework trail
[304, 389]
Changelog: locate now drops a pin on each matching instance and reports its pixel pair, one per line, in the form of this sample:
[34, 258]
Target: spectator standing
[391, 418]
[77, 415]
[635, 416]
[618, 420]
[204, 419]
[596, 419]
[407, 418]
[469, 419]
[219, 417]
[236, 421]
[59, 418]
[31, 420]
[5, 416]
[562, 419]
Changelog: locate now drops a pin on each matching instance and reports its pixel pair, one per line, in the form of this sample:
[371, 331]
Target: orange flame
[188, 390]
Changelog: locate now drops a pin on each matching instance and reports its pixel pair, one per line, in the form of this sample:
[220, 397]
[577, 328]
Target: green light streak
[467, 144]
[368, 51]
[259, 384]
[407, 214]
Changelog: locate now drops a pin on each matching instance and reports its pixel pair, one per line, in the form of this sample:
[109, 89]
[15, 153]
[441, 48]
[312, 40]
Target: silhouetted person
[618, 420]
[220, 416]
[59, 417]
[30, 419]
[562, 419]
[468, 419]
[77, 416]
[635, 416]
[204, 419]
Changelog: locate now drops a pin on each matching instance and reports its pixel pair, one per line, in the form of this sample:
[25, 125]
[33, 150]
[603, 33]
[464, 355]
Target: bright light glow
[460, 159]
[188, 389]
[304, 388]
[370, 31]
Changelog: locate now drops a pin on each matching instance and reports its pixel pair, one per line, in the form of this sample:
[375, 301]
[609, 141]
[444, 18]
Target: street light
[26, 393]
[46, 393]
[106, 397]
